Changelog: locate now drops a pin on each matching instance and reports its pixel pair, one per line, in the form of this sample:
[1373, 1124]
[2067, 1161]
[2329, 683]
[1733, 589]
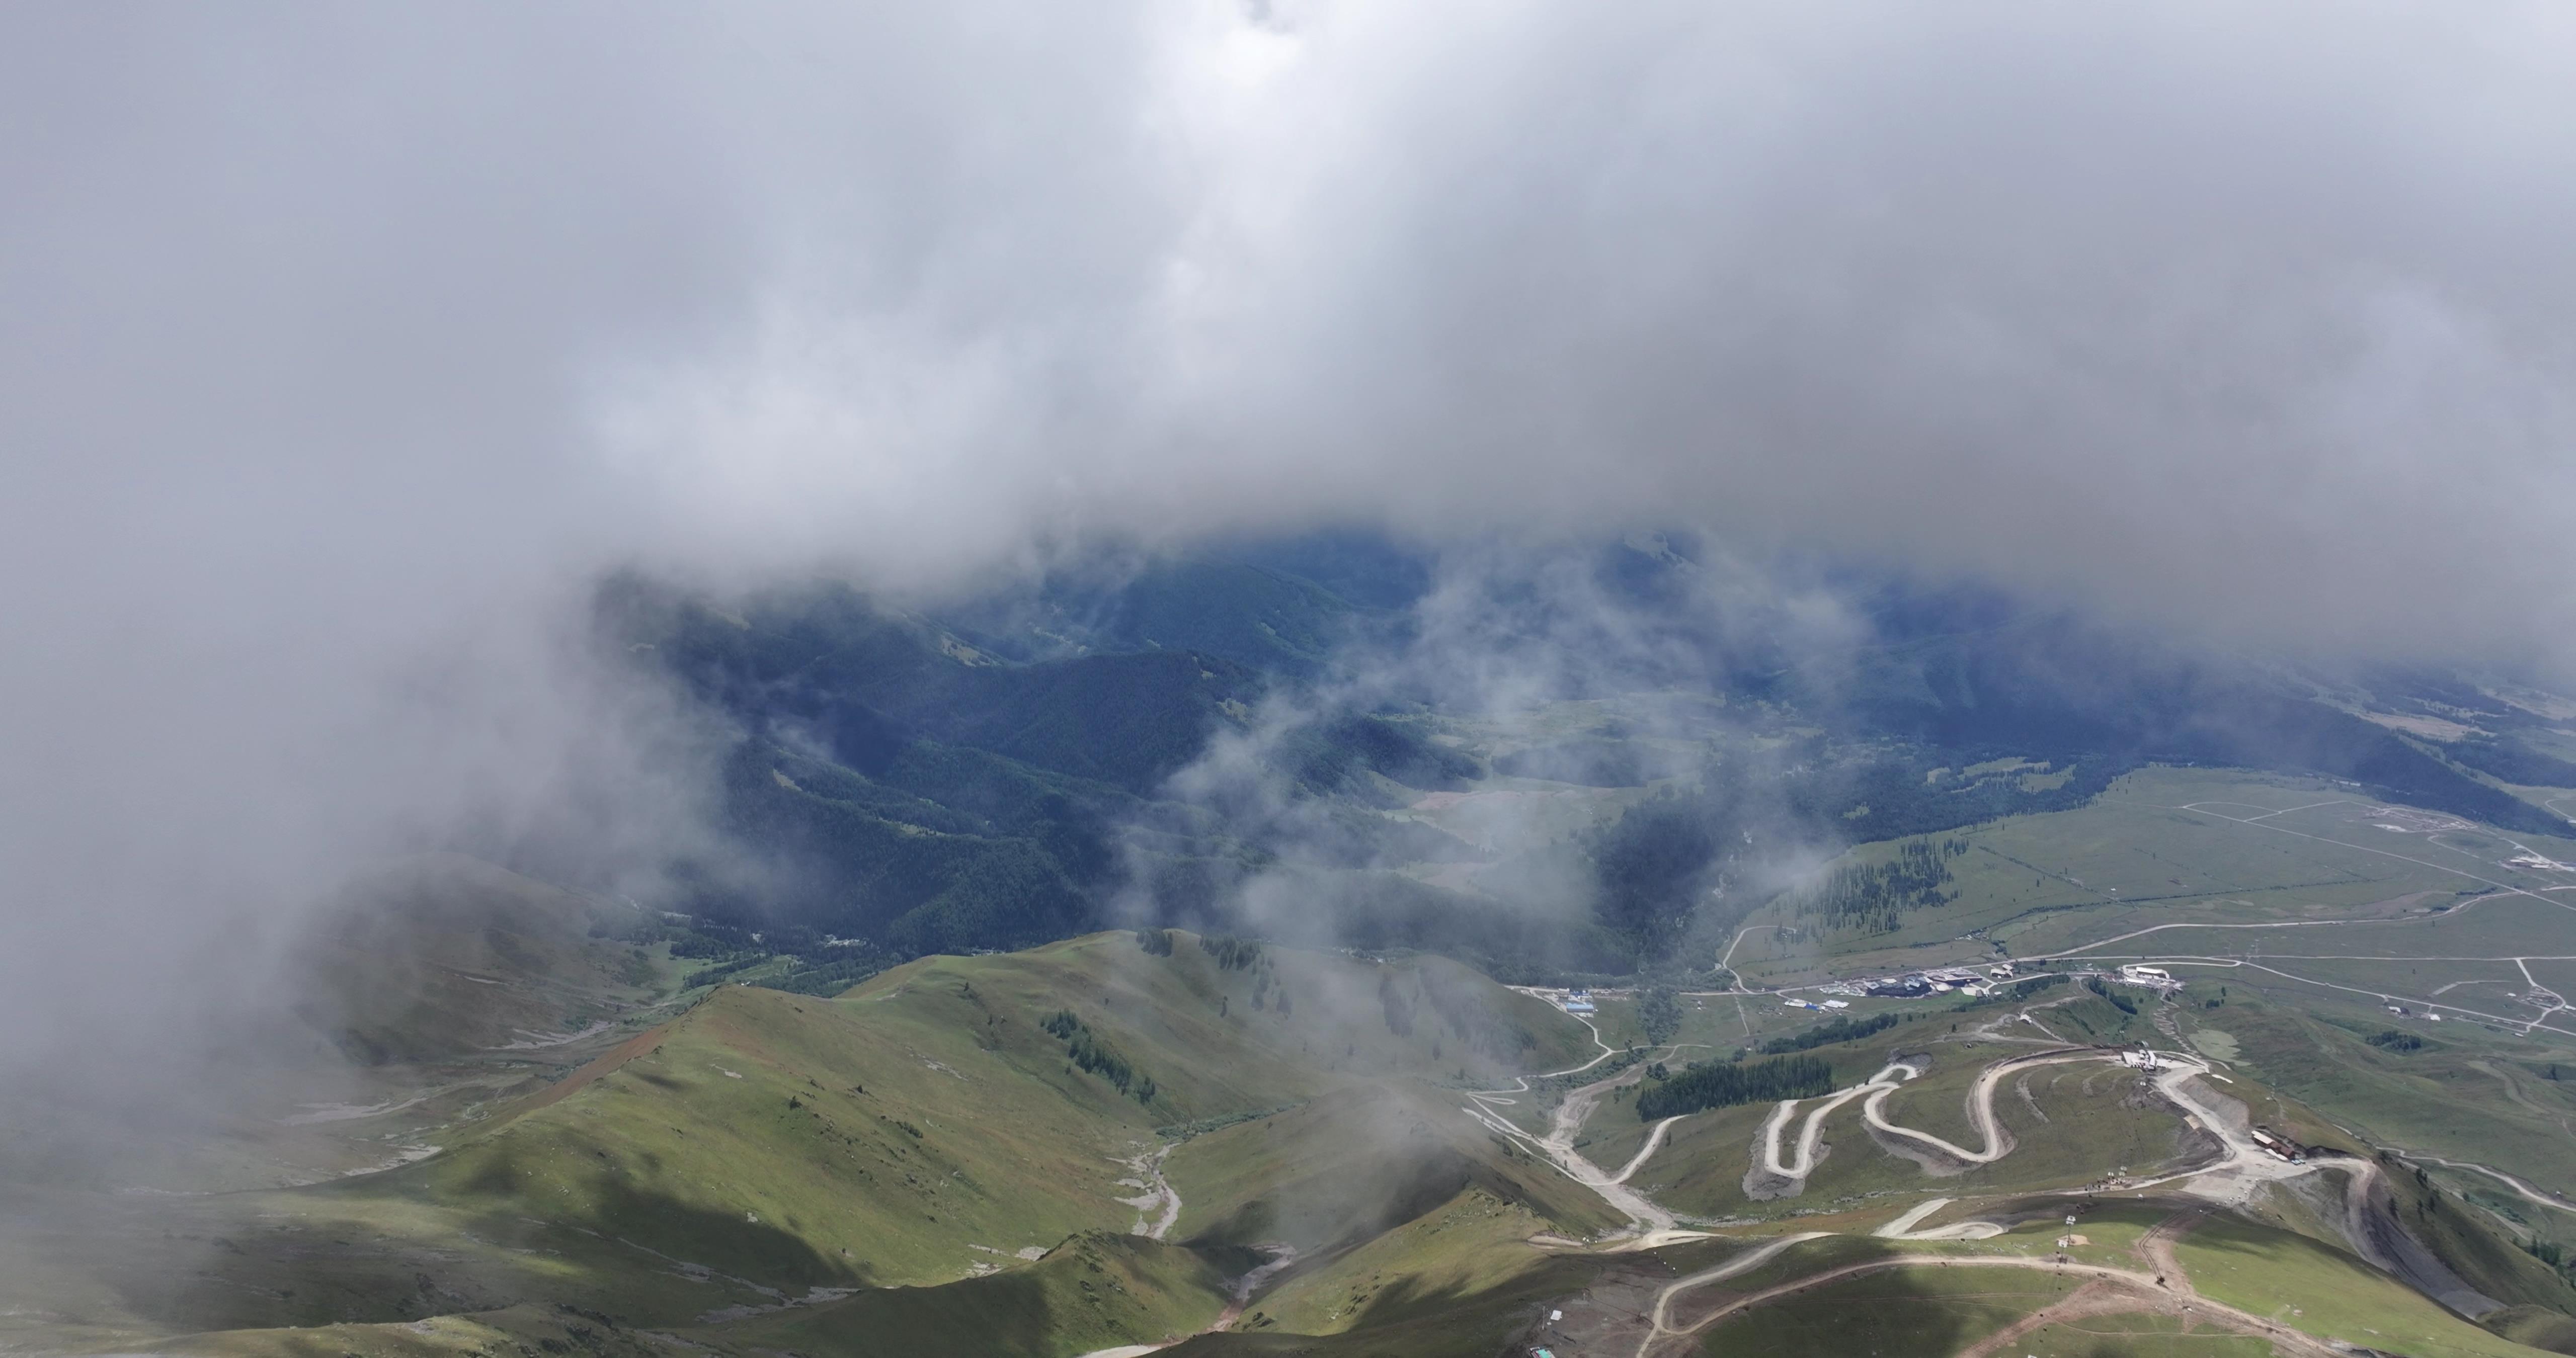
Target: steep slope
[784, 1139]
[944, 1120]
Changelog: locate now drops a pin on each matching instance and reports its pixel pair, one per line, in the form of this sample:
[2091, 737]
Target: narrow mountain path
[2528, 1191]
[1521, 1083]
[1646, 1220]
[1661, 1317]
[2513, 1092]
[2157, 1292]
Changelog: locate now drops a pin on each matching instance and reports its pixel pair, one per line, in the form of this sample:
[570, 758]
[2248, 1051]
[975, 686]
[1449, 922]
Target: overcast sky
[340, 345]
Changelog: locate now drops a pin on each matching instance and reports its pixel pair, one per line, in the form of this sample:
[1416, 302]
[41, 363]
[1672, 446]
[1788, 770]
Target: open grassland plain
[2166, 847]
[2395, 1093]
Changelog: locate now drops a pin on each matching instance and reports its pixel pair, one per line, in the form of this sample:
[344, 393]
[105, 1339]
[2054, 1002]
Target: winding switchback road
[1981, 1108]
[1877, 1085]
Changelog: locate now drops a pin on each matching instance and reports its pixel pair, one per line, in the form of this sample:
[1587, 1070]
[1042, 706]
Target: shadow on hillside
[1095, 1289]
[1408, 1319]
[1323, 1215]
[1407, 1303]
[352, 1252]
[1006, 1313]
[690, 1236]
[1912, 1309]
[1858, 1303]
[1442, 1322]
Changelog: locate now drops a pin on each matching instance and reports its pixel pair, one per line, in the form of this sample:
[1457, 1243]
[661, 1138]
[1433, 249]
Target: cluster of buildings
[2154, 978]
[1971, 982]
[2280, 1146]
[1916, 984]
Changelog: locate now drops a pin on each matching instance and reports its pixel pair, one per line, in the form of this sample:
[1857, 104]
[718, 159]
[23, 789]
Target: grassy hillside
[2325, 1292]
[1925, 1311]
[935, 1110]
[2314, 1047]
[1456, 1282]
[1246, 1027]
[953, 1155]
[777, 1138]
[1094, 1291]
[945, 1120]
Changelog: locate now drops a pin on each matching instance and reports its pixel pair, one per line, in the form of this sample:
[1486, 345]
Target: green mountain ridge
[942, 1156]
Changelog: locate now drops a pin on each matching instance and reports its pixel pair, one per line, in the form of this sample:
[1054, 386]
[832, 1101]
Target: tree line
[1842, 1029]
[1706, 1085]
[1095, 1057]
[1870, 896]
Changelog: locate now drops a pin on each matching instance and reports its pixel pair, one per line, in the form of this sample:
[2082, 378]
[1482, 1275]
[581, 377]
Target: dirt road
[1981, 1108]
[1887, 1079]
[2149, 1289]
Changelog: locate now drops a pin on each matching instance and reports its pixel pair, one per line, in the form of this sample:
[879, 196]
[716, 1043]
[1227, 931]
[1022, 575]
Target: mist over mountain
[1210, 742]
[784, 492]
[346, 356]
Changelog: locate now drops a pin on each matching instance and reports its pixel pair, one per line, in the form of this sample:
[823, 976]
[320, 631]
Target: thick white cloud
[341, 345]
[2246, 318]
